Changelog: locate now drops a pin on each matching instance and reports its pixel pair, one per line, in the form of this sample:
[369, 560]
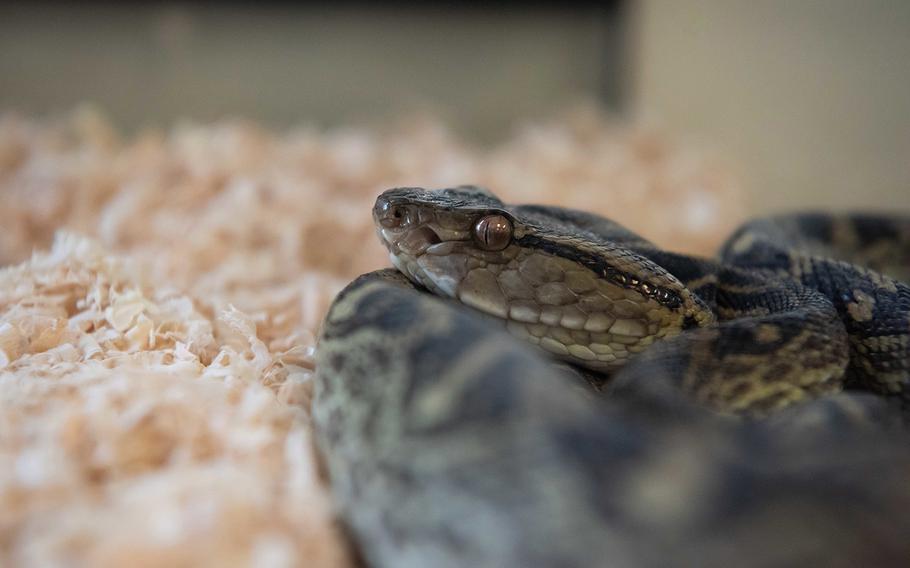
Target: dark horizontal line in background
[604, 6]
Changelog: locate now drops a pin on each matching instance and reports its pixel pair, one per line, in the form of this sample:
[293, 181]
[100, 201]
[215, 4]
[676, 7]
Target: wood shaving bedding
[162, 295]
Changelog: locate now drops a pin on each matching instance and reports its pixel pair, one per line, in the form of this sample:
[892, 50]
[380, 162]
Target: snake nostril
[391, 215]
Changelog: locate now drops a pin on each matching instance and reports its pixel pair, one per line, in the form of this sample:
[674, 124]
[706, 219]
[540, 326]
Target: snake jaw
[441, 267]
[417, 241]
[441, 249]
[430, 255]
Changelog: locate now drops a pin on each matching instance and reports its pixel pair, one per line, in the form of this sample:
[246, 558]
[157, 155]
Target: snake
[534, 385]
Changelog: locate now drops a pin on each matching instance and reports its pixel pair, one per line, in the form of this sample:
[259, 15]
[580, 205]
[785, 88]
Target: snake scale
[537, 386]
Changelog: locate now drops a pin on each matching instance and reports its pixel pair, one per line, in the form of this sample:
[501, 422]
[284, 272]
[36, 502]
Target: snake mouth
[428, 235]
[442, 248]
[414, 242]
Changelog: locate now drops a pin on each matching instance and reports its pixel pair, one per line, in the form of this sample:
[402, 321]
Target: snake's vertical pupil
[493, 232]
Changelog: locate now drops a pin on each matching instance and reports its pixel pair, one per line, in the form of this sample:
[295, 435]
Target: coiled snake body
[679, 411]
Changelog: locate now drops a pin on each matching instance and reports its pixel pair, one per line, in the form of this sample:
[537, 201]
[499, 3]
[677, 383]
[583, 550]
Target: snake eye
[493, 232]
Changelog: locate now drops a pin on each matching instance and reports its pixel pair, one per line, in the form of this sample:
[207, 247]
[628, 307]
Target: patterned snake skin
[537, 386]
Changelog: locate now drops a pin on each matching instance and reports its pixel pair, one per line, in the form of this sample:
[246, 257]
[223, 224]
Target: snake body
[541, 386]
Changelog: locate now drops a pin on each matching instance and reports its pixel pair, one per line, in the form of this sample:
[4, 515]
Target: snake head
[582, 296]
[437, 237]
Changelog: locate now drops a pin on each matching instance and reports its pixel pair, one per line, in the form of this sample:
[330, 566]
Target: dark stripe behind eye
[603, 269]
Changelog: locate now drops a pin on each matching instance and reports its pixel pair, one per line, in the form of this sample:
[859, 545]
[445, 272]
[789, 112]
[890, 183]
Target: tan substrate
[156, 356]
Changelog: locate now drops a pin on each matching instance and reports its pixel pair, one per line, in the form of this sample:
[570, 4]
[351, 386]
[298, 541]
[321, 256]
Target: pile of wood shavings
[156, 354]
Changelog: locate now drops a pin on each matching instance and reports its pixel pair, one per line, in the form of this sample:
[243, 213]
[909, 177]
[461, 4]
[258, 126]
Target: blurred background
[810, 100]
[185, 187]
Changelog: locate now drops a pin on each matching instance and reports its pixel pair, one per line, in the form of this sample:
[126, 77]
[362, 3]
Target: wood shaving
[162, 296]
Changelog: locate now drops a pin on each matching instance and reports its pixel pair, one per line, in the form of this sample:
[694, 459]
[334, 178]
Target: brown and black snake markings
[535, 386]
